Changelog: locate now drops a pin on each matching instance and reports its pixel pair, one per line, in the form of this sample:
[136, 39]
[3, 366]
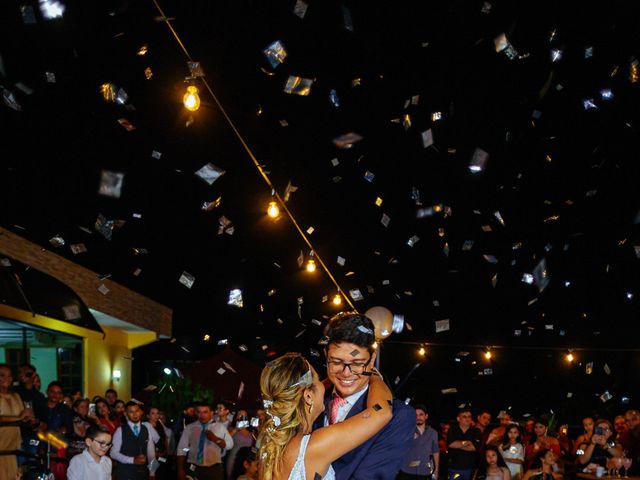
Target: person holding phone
[600, 446]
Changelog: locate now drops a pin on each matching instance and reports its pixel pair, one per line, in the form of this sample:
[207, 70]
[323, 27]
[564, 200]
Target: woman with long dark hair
[543, 467]
[492, 466]
[512, 450]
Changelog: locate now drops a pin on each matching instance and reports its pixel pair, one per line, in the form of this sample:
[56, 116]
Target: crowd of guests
[106, 438]
[471, 449]
[345, 427]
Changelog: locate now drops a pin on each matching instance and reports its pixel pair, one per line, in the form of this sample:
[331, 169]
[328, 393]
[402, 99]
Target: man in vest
[133, 447]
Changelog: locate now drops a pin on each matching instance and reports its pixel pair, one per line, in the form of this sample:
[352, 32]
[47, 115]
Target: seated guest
[543, 467]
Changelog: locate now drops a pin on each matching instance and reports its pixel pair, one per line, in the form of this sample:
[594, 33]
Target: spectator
[171, 441]
[119, 413]
[444, 447]
[483, 419]
[93, 463]
[630, 439]
[543, 467]
[161, 444]
[497, 434]
[12, 414]
[464, 442]
[540, 441]
[599, 449]
[186, 417]
[37, 382]
[57, 419]
[245, 465]
[587, 431]
[422, 461]
[81, 422]
[242, 437]
[105, 416]
[492, 466]
[133, 447]
[512, 451]
[528, 431]
[111, 396]
[223, 413]
[204, 441]
[34, 400]
[620, 426]
[76, 394]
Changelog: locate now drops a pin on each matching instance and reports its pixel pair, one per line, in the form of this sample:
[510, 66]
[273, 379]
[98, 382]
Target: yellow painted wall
[101, 356]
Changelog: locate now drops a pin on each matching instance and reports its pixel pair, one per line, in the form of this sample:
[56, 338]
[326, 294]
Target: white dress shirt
[117, 445]
[83, 467]
[190, 439]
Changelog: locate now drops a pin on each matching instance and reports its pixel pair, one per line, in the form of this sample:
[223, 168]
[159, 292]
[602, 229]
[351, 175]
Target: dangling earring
[310, 408]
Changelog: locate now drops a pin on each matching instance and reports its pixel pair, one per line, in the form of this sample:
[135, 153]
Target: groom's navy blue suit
[380, 457]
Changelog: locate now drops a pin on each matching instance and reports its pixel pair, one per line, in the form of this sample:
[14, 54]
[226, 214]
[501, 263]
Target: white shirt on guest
[83, 467]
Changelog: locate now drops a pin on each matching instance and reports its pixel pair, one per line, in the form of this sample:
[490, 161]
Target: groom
[350, 357]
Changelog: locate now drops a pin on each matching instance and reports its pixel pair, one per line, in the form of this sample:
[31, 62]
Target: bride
[294, 397]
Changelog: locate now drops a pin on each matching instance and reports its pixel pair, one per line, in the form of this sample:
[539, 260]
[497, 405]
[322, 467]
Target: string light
[191, 99]
[206, 337]
[311, 266]
[337, 299]
[422, 352]
[256, 163]
[273, 210]
[569, 357]
[488, 354]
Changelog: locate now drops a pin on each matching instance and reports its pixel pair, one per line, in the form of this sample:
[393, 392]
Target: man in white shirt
[133, 447]
[93, 463]
[202, 444]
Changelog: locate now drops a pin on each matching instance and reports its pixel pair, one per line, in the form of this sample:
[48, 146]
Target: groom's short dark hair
[351, 328]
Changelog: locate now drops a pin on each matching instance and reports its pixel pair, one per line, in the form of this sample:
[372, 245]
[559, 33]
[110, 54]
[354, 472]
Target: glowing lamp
[191, 99]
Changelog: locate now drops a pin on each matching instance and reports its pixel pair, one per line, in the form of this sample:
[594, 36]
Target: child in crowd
[93, 463]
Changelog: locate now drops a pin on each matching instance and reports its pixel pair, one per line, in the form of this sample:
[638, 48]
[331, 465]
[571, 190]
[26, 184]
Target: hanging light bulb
[422, 352]
[374, 345]
[570, 358]
[337, 299]
[311, 266]
[191, 99]
[273, 210]
[488, 354]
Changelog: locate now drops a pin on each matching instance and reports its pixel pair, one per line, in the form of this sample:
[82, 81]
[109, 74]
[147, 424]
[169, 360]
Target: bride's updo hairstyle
[282, 384]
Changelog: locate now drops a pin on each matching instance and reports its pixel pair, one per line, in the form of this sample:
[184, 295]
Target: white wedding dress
[298, 472]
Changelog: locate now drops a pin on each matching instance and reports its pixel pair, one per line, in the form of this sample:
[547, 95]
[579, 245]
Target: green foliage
[173, 393]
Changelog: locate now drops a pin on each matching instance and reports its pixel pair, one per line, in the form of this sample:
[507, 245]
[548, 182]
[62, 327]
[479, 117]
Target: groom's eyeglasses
[338, 366]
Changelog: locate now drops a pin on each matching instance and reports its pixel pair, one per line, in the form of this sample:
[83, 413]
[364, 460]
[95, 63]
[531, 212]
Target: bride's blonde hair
[282, 384]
